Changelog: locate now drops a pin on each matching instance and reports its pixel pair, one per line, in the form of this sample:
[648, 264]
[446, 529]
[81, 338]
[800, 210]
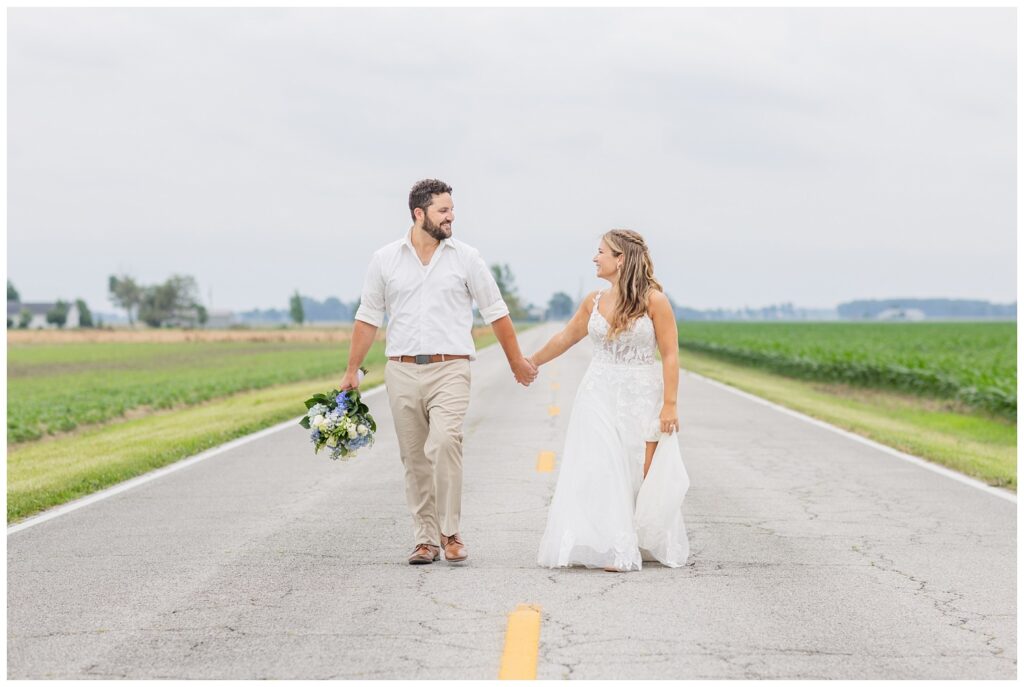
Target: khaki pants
[428, 404]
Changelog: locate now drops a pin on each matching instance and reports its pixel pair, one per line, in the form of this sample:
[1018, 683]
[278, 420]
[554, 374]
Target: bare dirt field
[336, 333]
[147, 335]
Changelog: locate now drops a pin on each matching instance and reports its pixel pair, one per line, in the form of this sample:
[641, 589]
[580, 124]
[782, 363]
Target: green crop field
[974, 363]
[57, 388]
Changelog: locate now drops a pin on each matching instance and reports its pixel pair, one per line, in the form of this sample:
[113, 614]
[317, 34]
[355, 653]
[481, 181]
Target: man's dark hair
[423, 193]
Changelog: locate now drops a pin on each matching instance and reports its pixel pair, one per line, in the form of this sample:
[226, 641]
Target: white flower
[351, 432]
[362, 429]
[317, 421]
[332, 441]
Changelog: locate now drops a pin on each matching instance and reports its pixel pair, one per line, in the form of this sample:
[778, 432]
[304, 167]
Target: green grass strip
[47, 473]
[971, 442]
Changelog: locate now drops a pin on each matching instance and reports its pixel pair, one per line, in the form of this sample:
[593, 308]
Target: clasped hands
[524, 370]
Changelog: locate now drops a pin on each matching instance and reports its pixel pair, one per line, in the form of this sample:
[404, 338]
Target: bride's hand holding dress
[666, 336]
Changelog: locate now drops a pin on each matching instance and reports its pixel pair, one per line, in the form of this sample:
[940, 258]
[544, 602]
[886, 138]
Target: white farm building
[38, 312]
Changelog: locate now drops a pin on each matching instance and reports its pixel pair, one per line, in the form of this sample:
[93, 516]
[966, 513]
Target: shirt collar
[407, 240]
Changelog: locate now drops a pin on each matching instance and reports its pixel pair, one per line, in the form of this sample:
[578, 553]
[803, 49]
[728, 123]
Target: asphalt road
[813, 556]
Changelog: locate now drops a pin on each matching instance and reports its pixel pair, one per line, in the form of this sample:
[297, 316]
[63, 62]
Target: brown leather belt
[425, 359]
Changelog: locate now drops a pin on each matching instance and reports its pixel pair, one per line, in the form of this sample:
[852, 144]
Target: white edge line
[920, 462]
[160, 472]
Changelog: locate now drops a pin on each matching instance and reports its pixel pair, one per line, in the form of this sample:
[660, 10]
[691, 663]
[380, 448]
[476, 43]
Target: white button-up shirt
[429, 307]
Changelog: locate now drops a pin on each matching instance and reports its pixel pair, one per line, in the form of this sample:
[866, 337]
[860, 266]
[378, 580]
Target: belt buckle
[423, 359]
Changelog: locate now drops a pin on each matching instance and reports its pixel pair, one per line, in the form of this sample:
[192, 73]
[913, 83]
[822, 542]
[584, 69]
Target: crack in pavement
[943, 601]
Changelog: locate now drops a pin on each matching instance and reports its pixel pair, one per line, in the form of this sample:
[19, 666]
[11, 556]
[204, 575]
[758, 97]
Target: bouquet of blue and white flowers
[340, 421]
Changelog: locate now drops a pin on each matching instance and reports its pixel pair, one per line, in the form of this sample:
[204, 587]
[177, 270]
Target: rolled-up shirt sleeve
[371, 301]
[485, 290]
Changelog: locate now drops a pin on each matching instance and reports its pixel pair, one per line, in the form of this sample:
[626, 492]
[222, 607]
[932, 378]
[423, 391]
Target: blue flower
[315, 436]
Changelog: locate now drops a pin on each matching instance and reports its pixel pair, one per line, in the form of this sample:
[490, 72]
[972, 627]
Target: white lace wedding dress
[604, 512]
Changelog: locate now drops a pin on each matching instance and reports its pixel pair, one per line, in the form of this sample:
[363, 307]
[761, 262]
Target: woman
[621, 482]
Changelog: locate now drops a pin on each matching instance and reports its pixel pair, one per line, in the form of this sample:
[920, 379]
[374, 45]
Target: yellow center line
[522, 639]
[545, 461]
[554, 410]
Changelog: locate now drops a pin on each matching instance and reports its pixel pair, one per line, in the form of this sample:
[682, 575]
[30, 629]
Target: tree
[331, 309]
[58, 314]
[12, 293]
[84, 314]
[204, 316]
[175, 298]
[509, 294]
[560, 306]
[25, 318]
[295, 309]
[125, 293]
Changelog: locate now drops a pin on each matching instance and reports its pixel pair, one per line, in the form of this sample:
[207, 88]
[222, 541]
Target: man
[426, 283]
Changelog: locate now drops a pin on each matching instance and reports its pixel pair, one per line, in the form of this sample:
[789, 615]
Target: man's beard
[436, 230]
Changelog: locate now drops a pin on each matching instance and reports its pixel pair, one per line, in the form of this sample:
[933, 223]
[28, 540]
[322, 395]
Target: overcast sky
[767, 155]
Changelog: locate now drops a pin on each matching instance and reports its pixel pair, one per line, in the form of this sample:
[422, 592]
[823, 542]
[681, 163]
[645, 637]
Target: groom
[426, 283]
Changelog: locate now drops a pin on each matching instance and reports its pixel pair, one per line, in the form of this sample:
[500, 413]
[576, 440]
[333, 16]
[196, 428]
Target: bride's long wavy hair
[636, 277]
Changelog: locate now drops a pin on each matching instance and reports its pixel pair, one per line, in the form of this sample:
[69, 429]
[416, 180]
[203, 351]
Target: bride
[621, 483]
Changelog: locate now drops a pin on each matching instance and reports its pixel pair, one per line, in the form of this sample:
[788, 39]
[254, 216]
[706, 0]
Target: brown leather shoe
[424, 553]
[454, 549]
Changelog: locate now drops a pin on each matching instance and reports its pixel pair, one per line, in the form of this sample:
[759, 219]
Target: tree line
[174, 302]
[560, 306]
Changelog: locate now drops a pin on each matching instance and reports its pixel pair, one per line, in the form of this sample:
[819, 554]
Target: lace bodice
[635, 345]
